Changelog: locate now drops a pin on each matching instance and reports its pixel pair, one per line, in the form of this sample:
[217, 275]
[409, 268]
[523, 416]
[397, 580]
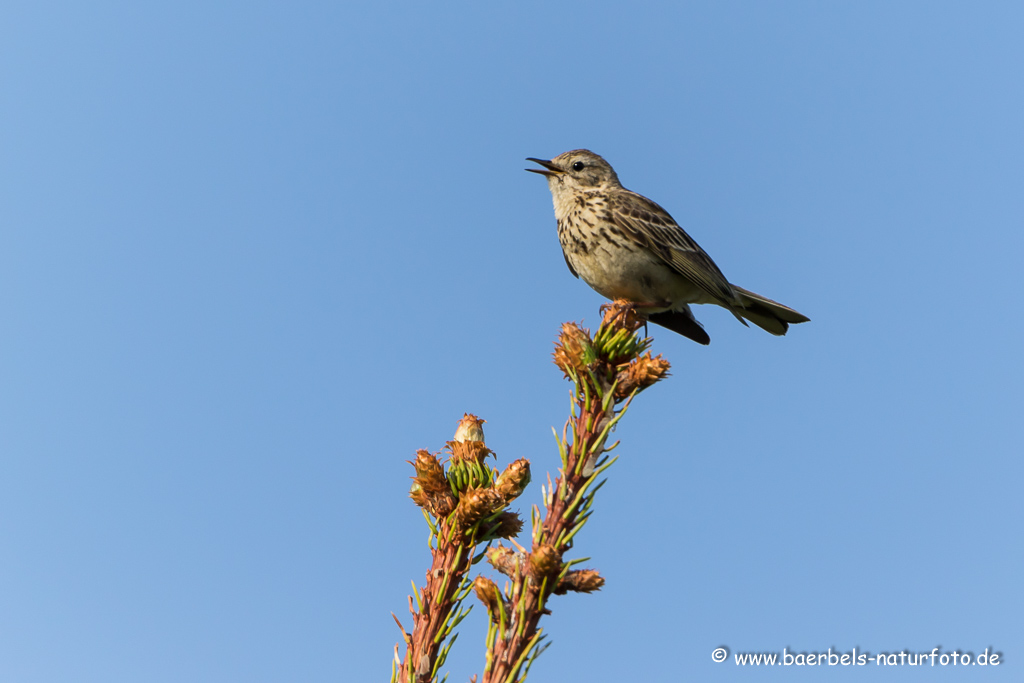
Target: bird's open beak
[551, 169]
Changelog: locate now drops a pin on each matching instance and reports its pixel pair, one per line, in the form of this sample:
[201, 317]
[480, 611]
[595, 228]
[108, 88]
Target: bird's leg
[634, 307]
[628, 312]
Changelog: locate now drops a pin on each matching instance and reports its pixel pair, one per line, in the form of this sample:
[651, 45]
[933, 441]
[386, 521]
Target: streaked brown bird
[627, 247]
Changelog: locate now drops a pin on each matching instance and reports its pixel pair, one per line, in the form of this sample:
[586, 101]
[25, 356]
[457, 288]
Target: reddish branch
[607, 369]
[466, 503]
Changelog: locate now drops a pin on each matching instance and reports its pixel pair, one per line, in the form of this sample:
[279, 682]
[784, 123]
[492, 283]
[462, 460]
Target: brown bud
[572, 350]
[418, 495]
[622, 314]
[512, 482]
[441, 504]
[429, 473]
[470, 429]
[468, 451]
[640, 374]
[505, 560]
[430, 486]
[545, 561]
[475, 504]
[580, 581]
[488, 593]
[507, 525]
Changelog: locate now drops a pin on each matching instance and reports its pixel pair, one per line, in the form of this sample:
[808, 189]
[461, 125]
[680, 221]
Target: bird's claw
[623, 313]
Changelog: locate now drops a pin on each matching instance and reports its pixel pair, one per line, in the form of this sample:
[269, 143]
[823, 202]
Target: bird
[626, 246]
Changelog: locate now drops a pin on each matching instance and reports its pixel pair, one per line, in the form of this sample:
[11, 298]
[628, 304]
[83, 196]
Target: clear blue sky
[253, 256]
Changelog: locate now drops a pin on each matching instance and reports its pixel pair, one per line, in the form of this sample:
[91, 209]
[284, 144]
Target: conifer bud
[508, 525]
[429, 473]
[505, 560]
[470, 428]
[475, 504]
[544, 561]
[579, 581]
[513, 481]
[622, 314]
[488, 594]
[573, 351]
[640, 374]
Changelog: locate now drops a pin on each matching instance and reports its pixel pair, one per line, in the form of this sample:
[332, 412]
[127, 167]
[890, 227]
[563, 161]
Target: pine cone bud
[640, 374]
[544, 561]
[470, 429]
[622, 314]
[508, 525]
[505, 560]
[418, 495]
[429, 473]
[441, 504]
[573, 351]
[475, 504]
[429, 487]
[580, 581]
[488, 593]
[513, 481]
[468, 451]
[468, 443]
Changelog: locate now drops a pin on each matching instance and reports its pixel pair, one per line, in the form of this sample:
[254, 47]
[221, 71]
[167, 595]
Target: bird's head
[576, 171]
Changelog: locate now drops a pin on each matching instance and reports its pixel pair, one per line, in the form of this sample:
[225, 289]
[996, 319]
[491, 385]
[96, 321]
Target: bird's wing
[652, 227]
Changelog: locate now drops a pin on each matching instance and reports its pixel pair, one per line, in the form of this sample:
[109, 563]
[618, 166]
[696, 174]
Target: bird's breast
[614, 265]
[612, 262]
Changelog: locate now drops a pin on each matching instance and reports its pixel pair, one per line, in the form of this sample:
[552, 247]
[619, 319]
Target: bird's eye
[578, 166]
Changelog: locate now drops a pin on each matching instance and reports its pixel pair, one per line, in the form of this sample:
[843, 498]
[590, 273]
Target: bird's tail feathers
[767, 314]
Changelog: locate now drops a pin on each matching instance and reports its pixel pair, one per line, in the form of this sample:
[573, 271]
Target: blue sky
[255, 255]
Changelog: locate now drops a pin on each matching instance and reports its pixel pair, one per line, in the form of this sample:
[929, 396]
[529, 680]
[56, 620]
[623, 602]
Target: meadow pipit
[627, 247]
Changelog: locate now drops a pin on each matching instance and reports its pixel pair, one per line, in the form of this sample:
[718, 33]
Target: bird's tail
[767, 314]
